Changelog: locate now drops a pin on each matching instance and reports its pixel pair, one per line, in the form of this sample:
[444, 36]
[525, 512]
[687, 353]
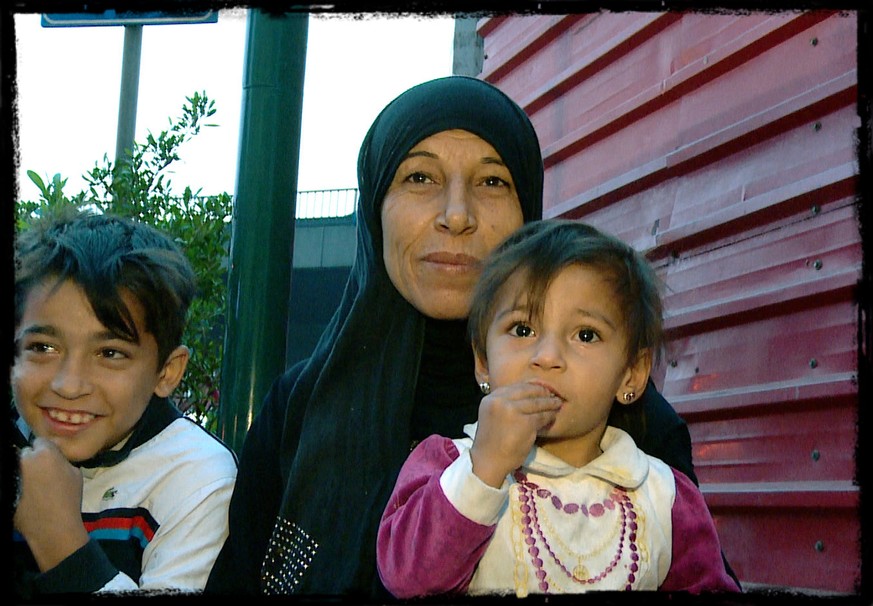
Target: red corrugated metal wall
[724, 145]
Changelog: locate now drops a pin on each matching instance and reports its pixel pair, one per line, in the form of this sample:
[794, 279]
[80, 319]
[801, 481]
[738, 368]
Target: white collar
[621, 463]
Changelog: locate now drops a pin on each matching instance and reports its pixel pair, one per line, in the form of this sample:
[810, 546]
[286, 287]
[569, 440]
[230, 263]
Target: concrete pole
[129, 95]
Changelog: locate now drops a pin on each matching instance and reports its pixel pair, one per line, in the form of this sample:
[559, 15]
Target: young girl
[543, 496]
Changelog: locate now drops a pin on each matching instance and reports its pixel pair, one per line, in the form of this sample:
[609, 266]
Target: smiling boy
[118, 491]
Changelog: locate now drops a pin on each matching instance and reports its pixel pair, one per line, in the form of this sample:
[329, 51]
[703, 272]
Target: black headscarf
[359, 391]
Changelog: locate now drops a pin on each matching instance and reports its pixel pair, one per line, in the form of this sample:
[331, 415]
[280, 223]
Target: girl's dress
[624, 521]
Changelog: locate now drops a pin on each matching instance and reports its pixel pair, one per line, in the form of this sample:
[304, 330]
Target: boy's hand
[509, 419]
[49, 511]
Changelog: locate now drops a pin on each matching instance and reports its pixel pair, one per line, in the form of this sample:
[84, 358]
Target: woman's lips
[452, 262]
[447, 258]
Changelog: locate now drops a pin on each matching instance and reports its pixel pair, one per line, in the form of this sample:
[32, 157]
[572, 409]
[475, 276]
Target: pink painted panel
[651, 127]
[808, 257]
[723, 145]
[772, 351]
[784, 441]
[815, 548]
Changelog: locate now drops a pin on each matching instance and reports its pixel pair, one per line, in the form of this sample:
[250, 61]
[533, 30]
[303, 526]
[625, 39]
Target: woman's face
[452, 200]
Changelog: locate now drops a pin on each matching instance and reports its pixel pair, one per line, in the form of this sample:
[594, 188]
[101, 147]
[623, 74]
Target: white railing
[324, 203]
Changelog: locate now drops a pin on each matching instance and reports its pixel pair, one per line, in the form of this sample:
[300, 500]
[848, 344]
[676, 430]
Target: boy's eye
[521, 330]
[112, 354]
[39, 347]
[588, 335]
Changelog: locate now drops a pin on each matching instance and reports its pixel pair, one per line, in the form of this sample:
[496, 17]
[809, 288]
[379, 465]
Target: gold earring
[485, 386]
[629, 397]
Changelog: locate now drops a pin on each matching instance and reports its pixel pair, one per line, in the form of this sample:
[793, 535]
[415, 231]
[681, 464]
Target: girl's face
[577, 350]
[452, 200]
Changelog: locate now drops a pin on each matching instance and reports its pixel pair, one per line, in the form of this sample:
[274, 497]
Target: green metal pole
[262, 239]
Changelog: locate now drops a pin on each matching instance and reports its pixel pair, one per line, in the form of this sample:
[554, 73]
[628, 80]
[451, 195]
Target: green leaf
[37, 180]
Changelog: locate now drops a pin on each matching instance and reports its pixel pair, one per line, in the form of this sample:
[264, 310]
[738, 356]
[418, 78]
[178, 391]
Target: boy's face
[76, 383]
[576, 350]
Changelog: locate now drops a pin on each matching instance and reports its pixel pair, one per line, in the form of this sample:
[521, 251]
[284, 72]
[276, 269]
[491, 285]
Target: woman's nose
[458, 215]
[71, 379]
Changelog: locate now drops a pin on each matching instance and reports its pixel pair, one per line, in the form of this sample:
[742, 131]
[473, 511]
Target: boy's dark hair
[105, 254]
[542, 249]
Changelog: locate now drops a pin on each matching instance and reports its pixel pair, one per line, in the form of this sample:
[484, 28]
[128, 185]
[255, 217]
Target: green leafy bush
[140, 188]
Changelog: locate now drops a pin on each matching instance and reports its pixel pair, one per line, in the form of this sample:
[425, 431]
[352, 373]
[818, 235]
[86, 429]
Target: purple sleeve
[697, 565]
[425, 546]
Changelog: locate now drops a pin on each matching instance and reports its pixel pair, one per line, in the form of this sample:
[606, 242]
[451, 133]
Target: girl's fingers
[546, 418]
[540, 404]
[523, 398]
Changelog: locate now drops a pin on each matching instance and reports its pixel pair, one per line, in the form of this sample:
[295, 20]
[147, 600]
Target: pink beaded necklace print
[538, 544]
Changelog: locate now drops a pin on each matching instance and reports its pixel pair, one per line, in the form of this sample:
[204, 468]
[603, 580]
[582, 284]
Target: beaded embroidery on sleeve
[289, 554]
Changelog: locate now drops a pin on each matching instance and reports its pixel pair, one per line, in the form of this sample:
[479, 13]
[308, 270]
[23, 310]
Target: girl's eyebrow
[512, 309]
[595, 315]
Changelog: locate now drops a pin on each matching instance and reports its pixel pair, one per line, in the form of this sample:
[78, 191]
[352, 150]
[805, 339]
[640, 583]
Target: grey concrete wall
[324, 243]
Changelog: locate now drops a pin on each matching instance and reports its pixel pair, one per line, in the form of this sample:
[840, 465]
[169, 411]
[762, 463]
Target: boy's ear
[172, 372]
[481, 367]
[635, 378]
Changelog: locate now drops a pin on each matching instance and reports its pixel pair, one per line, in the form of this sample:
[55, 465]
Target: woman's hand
[49, 511]
[509, 419]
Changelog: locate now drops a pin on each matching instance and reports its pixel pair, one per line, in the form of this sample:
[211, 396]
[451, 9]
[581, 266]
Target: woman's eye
[521, 330]
[494, 181]
[419, 178]
[587, 335]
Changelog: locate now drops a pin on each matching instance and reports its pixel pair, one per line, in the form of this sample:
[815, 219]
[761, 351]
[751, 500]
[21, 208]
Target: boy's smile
[76, 383]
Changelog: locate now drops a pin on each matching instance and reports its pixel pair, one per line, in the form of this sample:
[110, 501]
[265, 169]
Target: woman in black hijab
[321, 458]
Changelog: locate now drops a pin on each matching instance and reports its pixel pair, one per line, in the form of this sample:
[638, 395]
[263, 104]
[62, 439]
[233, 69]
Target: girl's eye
[521, 330]
[588, 335]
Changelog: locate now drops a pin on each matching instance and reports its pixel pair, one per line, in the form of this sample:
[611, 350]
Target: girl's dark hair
[106, 255]
[542, 249]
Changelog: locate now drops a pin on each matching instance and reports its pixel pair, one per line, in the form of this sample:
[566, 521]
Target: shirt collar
[159, 413]
[621, 463]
